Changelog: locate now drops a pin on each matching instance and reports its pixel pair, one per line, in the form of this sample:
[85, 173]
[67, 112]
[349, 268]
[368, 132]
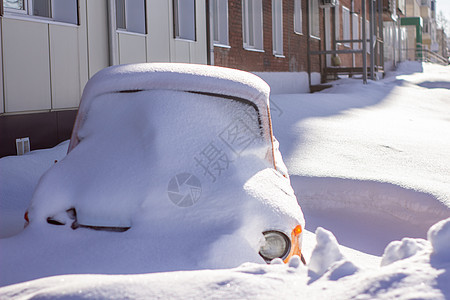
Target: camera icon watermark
[184, 189]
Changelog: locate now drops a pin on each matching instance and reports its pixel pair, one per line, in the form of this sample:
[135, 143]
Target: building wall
[442, 41]
[159, 43]
[411, 42]
[355, 9]
[294, 45]
[412, 8]
[45, 64]
[98, 47]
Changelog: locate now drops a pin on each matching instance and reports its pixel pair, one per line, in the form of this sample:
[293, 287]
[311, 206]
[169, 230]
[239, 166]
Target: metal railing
[425, 55]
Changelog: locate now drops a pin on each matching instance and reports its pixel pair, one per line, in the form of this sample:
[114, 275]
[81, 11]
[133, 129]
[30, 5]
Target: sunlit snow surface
[370, 164]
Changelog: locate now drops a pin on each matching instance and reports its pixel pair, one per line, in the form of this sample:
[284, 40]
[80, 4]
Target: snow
[370, 166]
[18, 178]
[325, 253]
[288, 82]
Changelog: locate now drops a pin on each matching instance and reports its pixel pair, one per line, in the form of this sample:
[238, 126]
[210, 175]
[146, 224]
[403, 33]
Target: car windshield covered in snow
[158, 135]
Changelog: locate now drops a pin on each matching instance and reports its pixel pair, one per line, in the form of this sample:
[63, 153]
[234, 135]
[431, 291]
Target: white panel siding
[132, 48]
[97, 17]
[26, 65]
[190, 51]
[198, 50]
[64, 61]
[181, 51]
[160, 31]
[45, 65]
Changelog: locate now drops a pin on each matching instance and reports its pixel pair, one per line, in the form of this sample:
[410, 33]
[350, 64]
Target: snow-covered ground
[370, 165]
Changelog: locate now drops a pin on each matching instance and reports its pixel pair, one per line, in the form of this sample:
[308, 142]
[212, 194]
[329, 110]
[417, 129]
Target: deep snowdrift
[381, 150]
[368, 163]
[411, 269]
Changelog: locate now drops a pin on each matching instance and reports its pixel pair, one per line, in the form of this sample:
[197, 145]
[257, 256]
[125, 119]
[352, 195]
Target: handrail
[427, 55]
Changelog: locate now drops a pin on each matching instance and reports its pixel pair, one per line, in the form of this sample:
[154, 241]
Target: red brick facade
[355, 7]
[294, 45]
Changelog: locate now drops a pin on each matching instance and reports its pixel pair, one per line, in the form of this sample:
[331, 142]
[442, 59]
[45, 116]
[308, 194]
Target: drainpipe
[364, 38]
[113, 50]
[209, 33]
[308, 45]
[399, 40]
[351, 31]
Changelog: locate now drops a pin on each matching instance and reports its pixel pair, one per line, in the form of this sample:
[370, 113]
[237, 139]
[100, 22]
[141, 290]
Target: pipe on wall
[112, 35]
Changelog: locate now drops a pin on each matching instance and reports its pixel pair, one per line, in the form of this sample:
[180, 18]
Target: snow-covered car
[181, 156]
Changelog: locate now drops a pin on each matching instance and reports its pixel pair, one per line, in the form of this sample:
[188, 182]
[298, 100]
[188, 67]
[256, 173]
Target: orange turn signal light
[295, 247]
[297, 230]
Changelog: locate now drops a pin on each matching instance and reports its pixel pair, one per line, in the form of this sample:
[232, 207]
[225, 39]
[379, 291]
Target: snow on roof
[181, 77]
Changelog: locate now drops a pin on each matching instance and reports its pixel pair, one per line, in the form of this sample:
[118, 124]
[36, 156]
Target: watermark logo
[238, 136]
[275, 110]
[213, 161]
[184, 189]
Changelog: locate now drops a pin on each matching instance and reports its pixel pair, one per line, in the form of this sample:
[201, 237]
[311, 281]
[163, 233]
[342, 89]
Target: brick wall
[350, 60]
[294, 45]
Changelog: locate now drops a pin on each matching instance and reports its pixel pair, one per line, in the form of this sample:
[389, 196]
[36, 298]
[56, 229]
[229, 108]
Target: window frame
[355, 30]
[298, 17]
[368, 45]
[27, 13]
[277, 27]
[124, 11]
[23, 11]
[346, 32]
[254, 33]
[337, 22]
[176, 22]
[220, 20]
[314, 23]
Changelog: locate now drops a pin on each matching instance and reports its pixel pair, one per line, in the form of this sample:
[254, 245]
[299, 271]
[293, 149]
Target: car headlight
[276, 245]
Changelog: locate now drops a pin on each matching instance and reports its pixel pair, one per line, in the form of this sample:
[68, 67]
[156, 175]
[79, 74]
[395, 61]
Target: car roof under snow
[205, 79]
[179, 77]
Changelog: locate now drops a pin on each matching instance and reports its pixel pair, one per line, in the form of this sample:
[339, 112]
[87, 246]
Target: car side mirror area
[63, 218]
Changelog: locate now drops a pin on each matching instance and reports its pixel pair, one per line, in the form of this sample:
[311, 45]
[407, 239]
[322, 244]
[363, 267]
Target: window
[56, 10]
[220, 21]
[337, 22]
[298, 16]
[277, 27]
[368, 36]
[346, 25]
[184, 19]
[252, 24]
[355, 33]
[314, 21]
[425, 26]
[130, 15]
[14, 4]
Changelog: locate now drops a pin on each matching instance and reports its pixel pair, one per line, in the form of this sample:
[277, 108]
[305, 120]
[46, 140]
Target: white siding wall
[47, 64]
[159, 30]
[132, 48]
[159, 44]
[64, 58]
[190, 51]
[26, 65]
[98, 47]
